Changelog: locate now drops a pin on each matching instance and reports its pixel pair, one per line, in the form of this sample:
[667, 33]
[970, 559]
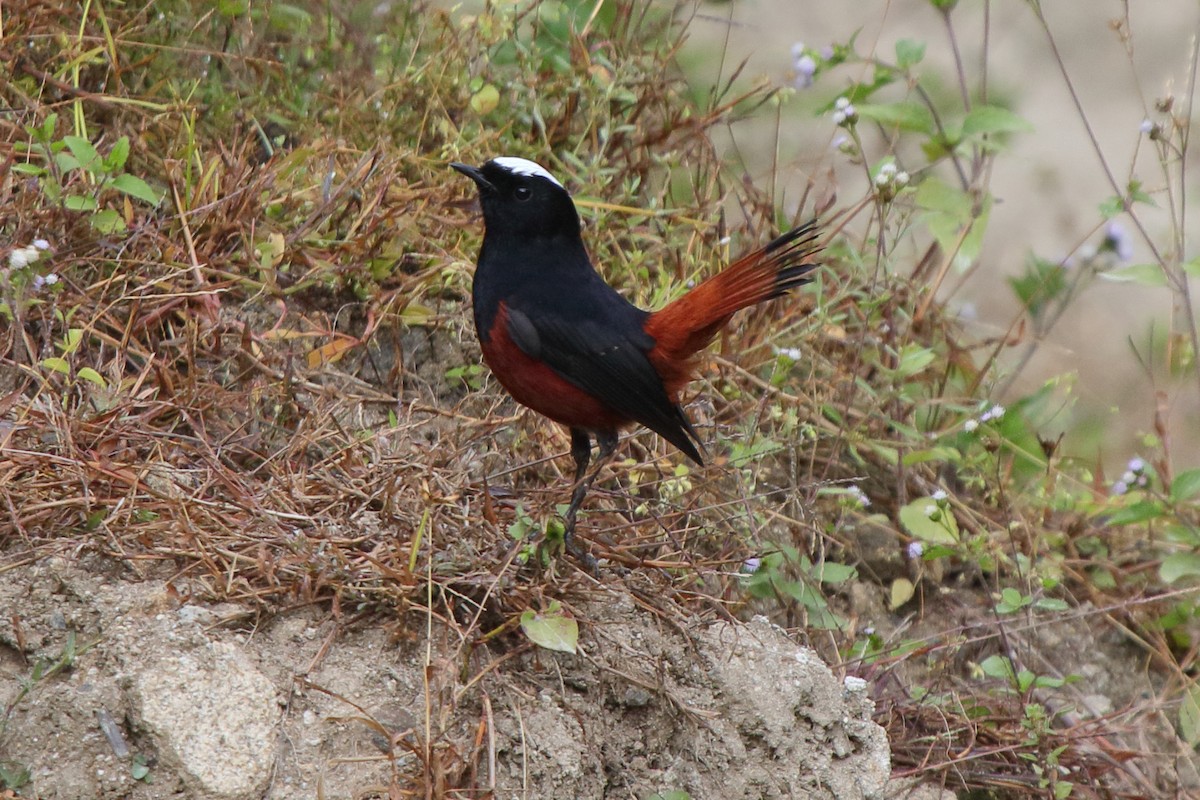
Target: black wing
[609, 360]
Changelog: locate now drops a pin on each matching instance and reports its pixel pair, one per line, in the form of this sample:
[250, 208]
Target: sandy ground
[1048, 188]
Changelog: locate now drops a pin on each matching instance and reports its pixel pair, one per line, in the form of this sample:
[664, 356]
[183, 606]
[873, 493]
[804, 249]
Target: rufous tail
[686, 326]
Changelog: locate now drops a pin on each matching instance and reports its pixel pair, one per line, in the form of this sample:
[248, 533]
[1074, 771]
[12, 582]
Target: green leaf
[1011, 601]
[115, 161]
[998, 667]
[1191, 267]
[901, 592]
[56, 364]
[673, 795]
[832, 572]
[1189, 716]
[552, 630]
[913, 359]
[108, 221]
[947, 455]
[1111, 206]
[89, 374]
[139, 770]
[76, 202]
[1141, 511]
[1139, 195]
[992, 120]
[1185, 486]
[135, 187]
[916, 520]
[71, 340]
[485, 100]
[33, 170]
[902, 116]
[289, 18]
[232, 8]
[84, 153]
[949, 211]
[1179, 566]
[909, 53]
[1041, 283]
[1142, 274]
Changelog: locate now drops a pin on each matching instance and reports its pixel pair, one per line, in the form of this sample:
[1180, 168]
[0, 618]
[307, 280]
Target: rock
[212, 715]
[817, 731]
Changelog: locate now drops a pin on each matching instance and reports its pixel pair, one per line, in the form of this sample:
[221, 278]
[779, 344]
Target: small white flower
[1146, 126]
[995, 412]
[860, 496]
[844, 113]
[940, 495]
[789, 352]
[827, 52]
[751, 565]
[930, 510]
[888, 169]
[17, 259]
[902, 178]
[32, 254]
[1129, 477]
[1120, 487]
[1136, 465]
[41, 244]
[914, 550]
[51, 279]
[797, 50]
[971, 425]
[839, 141]
[882, 178]
[38, 282]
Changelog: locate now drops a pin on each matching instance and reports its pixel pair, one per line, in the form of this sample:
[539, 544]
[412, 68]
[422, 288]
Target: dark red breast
[538, 386]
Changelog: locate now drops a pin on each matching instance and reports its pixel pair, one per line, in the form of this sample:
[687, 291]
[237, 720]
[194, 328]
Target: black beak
[474, 174]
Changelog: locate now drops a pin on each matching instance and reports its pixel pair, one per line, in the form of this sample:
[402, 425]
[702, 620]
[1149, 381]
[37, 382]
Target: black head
[520, 198]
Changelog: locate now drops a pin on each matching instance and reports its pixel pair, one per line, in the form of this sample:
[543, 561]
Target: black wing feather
[610, 363]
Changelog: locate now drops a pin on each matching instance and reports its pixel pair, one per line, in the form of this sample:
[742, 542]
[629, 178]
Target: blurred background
[1124, 60]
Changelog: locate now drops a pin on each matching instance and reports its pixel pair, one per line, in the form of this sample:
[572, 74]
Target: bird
[567, 345]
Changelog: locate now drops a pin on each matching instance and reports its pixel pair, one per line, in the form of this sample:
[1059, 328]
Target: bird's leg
[581, 451]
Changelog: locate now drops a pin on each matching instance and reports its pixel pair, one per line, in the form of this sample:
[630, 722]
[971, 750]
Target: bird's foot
[585, 559]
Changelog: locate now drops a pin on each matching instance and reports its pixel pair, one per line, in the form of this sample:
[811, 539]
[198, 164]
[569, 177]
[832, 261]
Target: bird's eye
[522, 193]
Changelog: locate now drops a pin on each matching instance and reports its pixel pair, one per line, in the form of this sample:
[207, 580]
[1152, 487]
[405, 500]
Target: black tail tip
[797, 236]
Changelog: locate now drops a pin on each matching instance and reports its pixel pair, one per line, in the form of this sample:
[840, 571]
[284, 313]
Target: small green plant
[1038, 723]
[42, 671]
[61, 364]
[13, 776]
[469, 375]
[792, 578]
[72, 173]
[539, 544]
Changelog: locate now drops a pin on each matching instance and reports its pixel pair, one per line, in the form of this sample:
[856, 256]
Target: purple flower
[1117, 240]
[805, 68]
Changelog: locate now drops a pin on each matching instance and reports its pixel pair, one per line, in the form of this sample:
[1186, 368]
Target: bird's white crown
[523, 166]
